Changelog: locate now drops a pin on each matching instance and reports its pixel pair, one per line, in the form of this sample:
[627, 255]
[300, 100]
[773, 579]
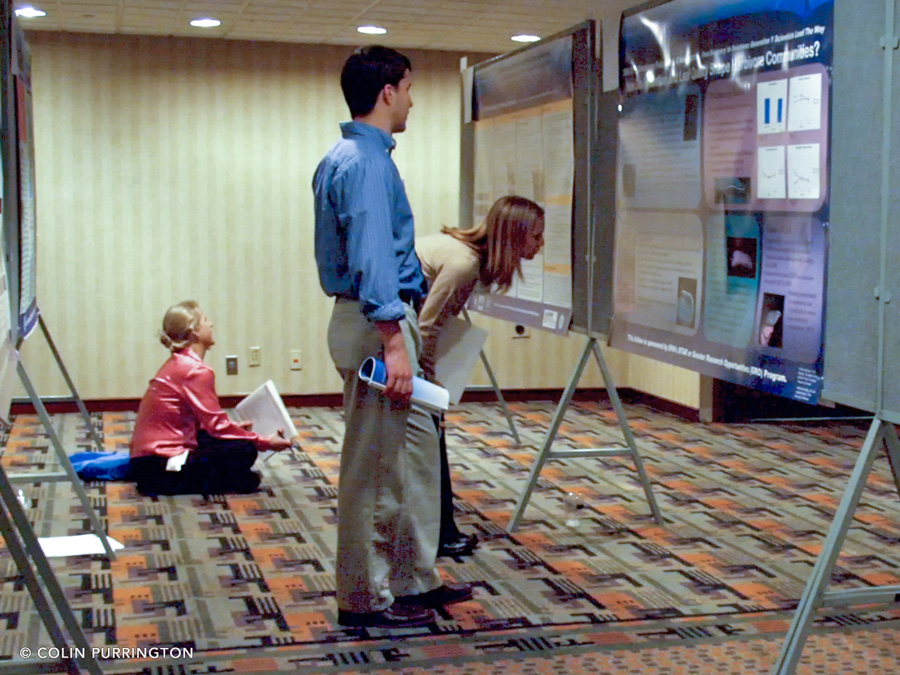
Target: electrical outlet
[255, 357]
[296, 360]
[231, 365]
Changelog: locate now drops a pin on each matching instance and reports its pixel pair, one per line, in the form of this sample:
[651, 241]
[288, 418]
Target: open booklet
[266, 410]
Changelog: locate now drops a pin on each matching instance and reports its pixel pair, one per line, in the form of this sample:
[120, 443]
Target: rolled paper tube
[426, 394]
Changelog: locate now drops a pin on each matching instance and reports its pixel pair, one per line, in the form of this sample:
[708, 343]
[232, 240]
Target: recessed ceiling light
[29, 12]
[372, 30]
[206, 23]
[525, 38]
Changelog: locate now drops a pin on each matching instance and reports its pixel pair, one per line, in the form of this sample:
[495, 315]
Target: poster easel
[68, 471]
[20, 244]
[50, 601]
[862, 70]
[547, 452]
[815, 596]
[73, 653]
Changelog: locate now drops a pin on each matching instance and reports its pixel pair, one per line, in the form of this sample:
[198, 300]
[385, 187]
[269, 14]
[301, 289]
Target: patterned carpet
[247, 582]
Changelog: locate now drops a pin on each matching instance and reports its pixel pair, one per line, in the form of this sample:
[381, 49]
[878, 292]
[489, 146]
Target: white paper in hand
[458, 346]
[266, 410]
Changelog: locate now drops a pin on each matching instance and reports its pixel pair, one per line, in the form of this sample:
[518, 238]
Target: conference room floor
[246, 582]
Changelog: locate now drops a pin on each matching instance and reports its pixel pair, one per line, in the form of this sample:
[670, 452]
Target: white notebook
[266, 410]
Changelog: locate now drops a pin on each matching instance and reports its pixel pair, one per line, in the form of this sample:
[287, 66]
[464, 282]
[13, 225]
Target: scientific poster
[524, 144]
[723, 189]
[27, 239]
[8, 355]
[529, 153]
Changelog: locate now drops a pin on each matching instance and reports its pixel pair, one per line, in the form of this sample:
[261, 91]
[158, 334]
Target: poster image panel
[659, 159]
[723, 189]
[733, 248]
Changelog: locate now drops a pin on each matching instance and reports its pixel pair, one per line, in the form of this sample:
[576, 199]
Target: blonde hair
[179, 324]
[500, 238]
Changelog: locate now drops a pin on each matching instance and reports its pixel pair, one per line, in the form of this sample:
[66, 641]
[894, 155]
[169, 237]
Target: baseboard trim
[59, 405]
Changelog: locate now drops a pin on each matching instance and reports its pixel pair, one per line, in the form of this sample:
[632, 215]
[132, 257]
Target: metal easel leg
[544, 455]
[496, 386]
[892, 444]
[13, 527]
[626, 432]
[811, 600]
[65, 373]
[73, 478]
[19, 555]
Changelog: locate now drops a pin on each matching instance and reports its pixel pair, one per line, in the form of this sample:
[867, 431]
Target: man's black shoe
[395, 616]
[463, 544]
[448, 594]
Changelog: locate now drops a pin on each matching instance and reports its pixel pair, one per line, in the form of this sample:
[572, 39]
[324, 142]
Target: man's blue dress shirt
[365, 237]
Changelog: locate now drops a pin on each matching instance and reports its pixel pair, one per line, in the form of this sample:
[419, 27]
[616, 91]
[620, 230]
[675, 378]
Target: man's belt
[411, 298]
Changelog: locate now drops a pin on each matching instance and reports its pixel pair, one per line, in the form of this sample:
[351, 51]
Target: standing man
[388, 505]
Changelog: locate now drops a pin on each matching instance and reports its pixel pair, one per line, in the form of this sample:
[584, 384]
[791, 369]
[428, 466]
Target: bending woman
[183, 441]
[453, 262]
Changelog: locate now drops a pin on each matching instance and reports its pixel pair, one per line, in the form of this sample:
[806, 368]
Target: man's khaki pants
[389, 492]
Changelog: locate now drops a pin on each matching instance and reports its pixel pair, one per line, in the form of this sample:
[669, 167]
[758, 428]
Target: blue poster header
[699, 40]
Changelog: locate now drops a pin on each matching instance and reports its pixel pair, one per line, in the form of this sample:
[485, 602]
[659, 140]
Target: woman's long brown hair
[500, 238]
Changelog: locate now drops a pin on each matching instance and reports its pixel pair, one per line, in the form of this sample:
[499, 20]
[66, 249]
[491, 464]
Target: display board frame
[26, 183]
[485, 99]
[724, 189]
[8, 149]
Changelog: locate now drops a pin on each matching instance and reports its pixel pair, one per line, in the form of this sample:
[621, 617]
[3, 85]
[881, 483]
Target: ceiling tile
[459, 25]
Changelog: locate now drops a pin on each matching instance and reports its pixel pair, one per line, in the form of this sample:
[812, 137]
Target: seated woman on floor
[183, 442]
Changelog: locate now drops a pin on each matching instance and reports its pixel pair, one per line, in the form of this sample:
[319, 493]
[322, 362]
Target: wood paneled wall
[180, 168]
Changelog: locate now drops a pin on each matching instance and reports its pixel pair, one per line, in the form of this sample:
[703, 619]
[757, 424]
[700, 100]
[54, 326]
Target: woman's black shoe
[461, 545]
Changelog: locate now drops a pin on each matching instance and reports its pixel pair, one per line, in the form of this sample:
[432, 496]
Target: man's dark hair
[366, 73]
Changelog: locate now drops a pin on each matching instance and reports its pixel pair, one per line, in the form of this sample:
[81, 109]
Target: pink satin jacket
[181, 400]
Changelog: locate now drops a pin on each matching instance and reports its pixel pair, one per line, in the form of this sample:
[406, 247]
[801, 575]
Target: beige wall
[177, 168]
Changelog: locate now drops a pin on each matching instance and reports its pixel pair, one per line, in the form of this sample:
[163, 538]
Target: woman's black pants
[449, 531]
[215, 466]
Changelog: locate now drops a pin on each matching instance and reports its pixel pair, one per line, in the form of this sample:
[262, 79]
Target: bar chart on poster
[723, 189]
